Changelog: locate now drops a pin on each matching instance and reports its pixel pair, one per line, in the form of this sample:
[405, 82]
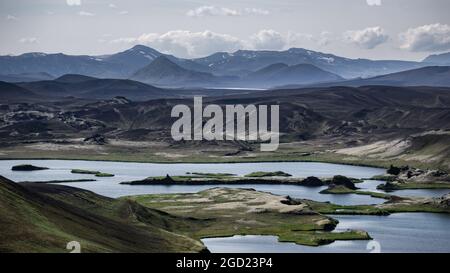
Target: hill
[163, 71]
[44, 218]
[26, 77]
[92, 88]
[426, 76]
[438, 59]
[279, 74]
[13, 92]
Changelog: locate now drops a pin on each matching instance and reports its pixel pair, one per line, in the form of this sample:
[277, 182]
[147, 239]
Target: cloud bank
[203, 11]
[367, 38]
[187, 43]
[86, 13]
[427, 38]
[373, 2]
[73, 2]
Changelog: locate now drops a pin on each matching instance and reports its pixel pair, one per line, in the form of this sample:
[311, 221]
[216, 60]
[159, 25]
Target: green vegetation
[268, 174]
[223, 212]
[329, 208]
[340, 180]
[44, 218]
[341, 189]
[389, 178]
[96, 173]
[104, 174]
[79, 171]
[211, 175]
[396, 205]
[27, 167]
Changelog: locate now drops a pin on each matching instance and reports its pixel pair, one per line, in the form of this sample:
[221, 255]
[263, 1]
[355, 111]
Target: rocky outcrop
[96, 139]
[27, 167]
[340, 180]
[312, 181]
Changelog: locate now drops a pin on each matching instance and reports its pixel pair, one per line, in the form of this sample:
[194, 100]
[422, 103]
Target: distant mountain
[92, 88]
[133, 58]
[164, 72]
[245, 61]
[74, 78]
[438, 59]
[194, 72]
[426, 76]
[26, 77]
[280, 74]
[58, 65]
[119, 65]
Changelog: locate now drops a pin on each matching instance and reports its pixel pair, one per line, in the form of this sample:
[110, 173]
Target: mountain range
[241, 68]
[438, 59]
[426, 76]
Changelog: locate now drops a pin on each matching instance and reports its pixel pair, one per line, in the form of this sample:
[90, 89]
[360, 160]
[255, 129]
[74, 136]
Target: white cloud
[10, 17]
[268, 39]
[86, 13]
[374, 2]
[428, 38]
[123, 12]
[186, 43]
[295, 39]
[255, 11]
[367, 38]
[28, 40]
[113, 6]
[222, 11]
[73, 2]
[183, 43]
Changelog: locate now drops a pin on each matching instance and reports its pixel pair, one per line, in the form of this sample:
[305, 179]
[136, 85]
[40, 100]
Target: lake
[401, 232]
[413, 232]
[127, 171]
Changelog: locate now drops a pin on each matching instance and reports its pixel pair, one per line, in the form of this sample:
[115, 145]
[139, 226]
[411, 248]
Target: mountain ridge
[219, 68]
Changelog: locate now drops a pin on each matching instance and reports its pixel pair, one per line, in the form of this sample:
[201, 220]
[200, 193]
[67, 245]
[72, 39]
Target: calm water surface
[402, 232]
[414, 232]
[109, 186]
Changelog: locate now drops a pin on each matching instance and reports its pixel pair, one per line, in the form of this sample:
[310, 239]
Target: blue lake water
[413, 232]
[402, 232]
[109, 186]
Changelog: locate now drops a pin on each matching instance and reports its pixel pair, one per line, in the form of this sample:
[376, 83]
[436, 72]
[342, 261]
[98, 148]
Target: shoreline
[378, 166]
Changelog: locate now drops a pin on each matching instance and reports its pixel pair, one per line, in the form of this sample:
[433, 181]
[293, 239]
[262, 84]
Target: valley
[90, 143]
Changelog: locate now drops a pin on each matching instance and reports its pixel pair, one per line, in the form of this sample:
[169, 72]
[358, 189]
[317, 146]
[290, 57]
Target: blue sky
[377, 29]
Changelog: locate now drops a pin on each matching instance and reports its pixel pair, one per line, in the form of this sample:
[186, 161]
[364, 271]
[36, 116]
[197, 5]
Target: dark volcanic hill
[26, 77]
[44, 218]
[92, 88]
[12, 92]
[279, 74]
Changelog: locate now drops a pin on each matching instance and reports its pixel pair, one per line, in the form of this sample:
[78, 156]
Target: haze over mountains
[243, 68]
[426, 76]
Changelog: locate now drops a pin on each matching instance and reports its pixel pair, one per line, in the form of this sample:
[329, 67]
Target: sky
[375, 29]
